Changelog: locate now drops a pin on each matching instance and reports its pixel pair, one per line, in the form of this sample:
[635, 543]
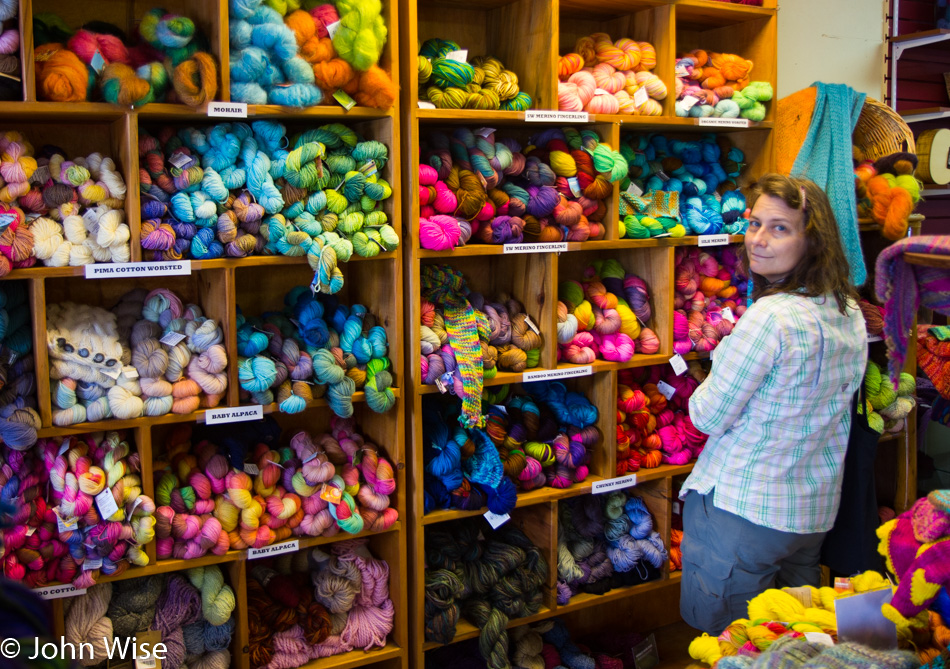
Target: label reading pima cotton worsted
[724, 122]
[552, 374]
[713, 240]
[59, 591]
[496, 520]
[111, 270]
[609, 485]
[234, 414]
[548, 115]
[548, 247]
[275, 549]
[228, 109]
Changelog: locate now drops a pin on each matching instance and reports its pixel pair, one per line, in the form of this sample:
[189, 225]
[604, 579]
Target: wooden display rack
[255, 283]
[519, 32]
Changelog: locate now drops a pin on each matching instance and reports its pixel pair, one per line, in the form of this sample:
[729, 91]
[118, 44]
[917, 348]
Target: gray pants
[728, 560]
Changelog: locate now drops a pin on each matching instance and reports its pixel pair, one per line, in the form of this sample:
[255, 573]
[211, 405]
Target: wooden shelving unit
[518, 33]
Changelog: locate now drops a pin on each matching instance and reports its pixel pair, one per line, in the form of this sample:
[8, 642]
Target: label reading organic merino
[112, 270]
[724, 122]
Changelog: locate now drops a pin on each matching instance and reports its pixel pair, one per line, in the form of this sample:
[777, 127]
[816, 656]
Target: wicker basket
[881, 131]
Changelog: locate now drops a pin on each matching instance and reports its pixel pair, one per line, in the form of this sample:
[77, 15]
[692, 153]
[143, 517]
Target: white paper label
[555, 247]
[640, 96]
[425, 104]
[549, 115]
[440, 385]
[728, 315]
[130, 372]
[113, 372]
[106, 503]
[634, 190]
[485, 132]
[234, 414]
[530, 324]
[819, 638]
[609, 485]
[172, 339]
[251, 468]
[678, 364]
[601, 91]
[275, 549]
[724, 122]
[665, 389]
[59, 591]
[689, 102]
[179, 159]
[332, 28]
[91, 563]
[496, 520]
[65, 446]
[111, 270]
[145, 662]
[874, 338]
[551, 374]
[65, 525]
[228, 109]
[713, 240]
[460, 56]
[138, 501]
[575, 186]
[91, 217]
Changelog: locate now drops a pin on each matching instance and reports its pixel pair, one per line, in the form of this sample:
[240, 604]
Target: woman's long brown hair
[824, 269]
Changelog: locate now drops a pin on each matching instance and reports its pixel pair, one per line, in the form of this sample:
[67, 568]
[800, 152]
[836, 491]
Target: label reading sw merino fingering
[538, 247]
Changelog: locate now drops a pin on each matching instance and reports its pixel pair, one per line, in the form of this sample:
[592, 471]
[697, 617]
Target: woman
[776, 407]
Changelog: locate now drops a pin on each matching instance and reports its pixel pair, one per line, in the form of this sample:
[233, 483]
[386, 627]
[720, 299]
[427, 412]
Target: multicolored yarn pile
[679, 188]
[313, 604]
[149, 356]
[542, 437]
[170, 61]
[602, 76]
[707, 283]
[19, 419]
[606, 542]
[933, 356]
[11, 87]
[315, 347]
[233, 190]
[887, 191]
[489, 577]
[284, 55]
[605, 316]
[810, 610]
[719, 85]
[542, 645]
[495, 190]
[193, 611]
[653, 429]
[794, 650]
[887, 405]
[448, 80]
[80, 510]
[220, 491]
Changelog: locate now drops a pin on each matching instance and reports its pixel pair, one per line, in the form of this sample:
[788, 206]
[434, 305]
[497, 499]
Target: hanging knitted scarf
[445, 287]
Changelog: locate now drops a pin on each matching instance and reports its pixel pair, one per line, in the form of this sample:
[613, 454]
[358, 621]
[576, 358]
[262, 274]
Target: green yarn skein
[362, 33]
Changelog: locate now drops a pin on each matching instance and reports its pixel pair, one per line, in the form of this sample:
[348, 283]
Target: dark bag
[851, 545]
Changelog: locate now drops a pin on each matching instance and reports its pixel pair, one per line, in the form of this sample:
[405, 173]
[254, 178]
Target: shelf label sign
[609, 485]
[556, 374]
[274, 549]
[112, 270]
[540, 247]
[59, 591]
[228, 109]
[234, 414]
[713, 240]
[549, 116]
[496, 520]
[723, 122]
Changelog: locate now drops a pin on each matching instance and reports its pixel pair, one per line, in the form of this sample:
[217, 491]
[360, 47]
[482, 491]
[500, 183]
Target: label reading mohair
[111, 270]
[460, 56]
[105, 500]
[665, 389]
[332, 28]
[275, 549]
[59, 591]
[496, 520]
[234, 414]
[713, 240]
[530, 324]
[172, 339]
[345, 100]
[678, 364]
[551, 116]
[609, 485]
[724, 122]
[728, 315]
[640, 96]
[557, 374]
[228, 109]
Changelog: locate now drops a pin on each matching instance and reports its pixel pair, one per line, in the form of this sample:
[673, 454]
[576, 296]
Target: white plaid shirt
[777, 409]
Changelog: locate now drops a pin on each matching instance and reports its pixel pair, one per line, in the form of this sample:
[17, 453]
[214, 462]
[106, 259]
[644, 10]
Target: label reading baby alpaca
[548, 115]
[112, 270]
[724, 122]
[228, 109]
[106, 503]
[678, 364]
[275, 549]
[609, 485]
[540, 247]
[557, 374]
[713, 240]
[665, 389]
[496, 520]
[234, 414]
[59, 591]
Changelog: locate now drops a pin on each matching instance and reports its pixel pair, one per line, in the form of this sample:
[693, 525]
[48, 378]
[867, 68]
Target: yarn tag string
[678, 364]
[609, 485]
[496, 520]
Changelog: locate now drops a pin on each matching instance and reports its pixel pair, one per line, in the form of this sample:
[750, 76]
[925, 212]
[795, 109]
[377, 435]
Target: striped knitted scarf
[445, 287]
[904, 288]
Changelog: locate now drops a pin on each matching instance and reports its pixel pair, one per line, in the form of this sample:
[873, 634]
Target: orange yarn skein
[376, 89]
[196, 79]
[61, 76]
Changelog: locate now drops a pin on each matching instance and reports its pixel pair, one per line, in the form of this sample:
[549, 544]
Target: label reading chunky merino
[234, 414]
[713, 240]
[540, 247]
[548, 115]
[554, 374]
[678, 364]
[59, 591]
[228, 109]
[496, 520]
[725, 122]
[609, 485]
[112, 270]
[275, 549]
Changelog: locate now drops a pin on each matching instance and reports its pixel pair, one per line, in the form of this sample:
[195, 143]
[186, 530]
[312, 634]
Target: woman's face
[776, 240]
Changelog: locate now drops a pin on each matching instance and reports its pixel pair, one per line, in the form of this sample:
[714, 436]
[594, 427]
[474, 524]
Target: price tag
[677, 507]
[234, 414]
[65, 524]
[727, 314]
[460, 56]
[530, 324]
[601, 91]
[820, 638]
[723, 122]
[130, 372]
[665, 389]
[138, 501]
[713, 240]
[843, 584]
[874, 338]
[91, 217]
[147, 641]
[425, 104]
[634, 190]
[228, 109]
[179, 159]
[645, 654]
[113, 372]
[496, 520]
[550, 116]
[440, 385]
[106, 503]
[332, 28]
[540, 247]
[802, 594]
[689, 102]
[310, 457]
[555, 374]
[274, 549]
[609, 485]
[369, 168]
[92, 563]
[251, 469]
[485, 132]
[678, 364]
[344, 99]
[65, 446]
[331, 494]
[172, 339]
[575, 186]
[108, 270]
[640, 96]
[59, 591]
[97, 62]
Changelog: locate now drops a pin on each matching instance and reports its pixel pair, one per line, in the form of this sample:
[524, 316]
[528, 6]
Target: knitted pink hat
[930, 523]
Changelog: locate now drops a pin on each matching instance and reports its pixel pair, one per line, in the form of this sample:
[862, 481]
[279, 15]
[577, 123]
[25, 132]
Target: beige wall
[834, 41]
